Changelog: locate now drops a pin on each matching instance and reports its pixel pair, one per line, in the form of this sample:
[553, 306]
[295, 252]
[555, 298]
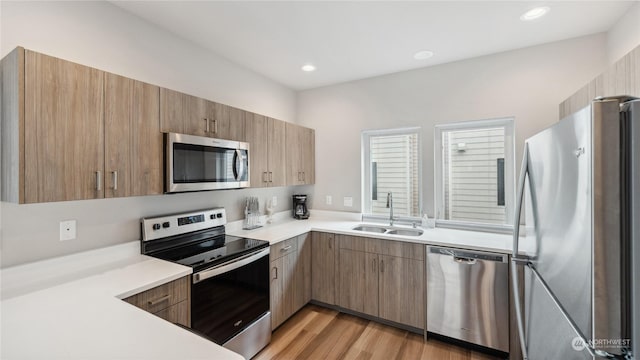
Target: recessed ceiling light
[535, 13]
[308, 67]
[422, 55]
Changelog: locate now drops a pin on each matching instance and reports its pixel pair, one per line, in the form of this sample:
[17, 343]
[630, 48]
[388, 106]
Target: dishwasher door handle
[463, 260]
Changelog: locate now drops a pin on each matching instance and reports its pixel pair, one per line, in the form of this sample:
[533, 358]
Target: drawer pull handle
[286, 248]
[159, 300]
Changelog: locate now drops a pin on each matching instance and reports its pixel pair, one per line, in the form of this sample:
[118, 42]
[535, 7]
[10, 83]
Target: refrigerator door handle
[515, 259]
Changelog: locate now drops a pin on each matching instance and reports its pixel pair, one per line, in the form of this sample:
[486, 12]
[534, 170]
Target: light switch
[328, 200]
[348, 201]
[67, 230]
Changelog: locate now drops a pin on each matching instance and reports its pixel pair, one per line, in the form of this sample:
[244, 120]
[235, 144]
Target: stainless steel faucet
[390, 207]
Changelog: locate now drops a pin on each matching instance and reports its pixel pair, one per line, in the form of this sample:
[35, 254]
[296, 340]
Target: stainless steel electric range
[230, 281]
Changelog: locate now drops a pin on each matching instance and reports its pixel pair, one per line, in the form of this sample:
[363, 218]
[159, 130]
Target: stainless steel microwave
[196, 163]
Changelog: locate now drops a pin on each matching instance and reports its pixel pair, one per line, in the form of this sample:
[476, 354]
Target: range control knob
[156, 226]
[213, 216]
[219, 215]
[166, 224]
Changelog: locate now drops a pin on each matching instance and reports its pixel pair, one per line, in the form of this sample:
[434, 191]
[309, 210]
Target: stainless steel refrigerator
[580, 180]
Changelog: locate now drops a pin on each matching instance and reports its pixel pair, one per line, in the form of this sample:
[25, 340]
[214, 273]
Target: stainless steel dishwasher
[467, 296]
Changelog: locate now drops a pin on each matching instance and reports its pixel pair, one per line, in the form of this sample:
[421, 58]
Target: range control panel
[176, 224]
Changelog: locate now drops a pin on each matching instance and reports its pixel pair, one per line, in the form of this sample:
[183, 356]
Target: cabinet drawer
[177, 314]
[161, 297]
[283, 248]
[382, 247]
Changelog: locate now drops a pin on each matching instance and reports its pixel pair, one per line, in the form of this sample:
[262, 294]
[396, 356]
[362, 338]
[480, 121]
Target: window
[391, 164]
[475, 173]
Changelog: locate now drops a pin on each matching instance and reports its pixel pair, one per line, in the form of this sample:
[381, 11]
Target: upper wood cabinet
[133, 142]
[266, 138]
[70, 132]
[63, 130]
[186, 114]
[300, 155]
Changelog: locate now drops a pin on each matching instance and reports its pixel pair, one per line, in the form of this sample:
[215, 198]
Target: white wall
[103, 36]
[527, 84]
[625, 35]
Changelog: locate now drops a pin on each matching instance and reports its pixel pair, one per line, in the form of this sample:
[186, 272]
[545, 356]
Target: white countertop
[71, 308]
[285, 227]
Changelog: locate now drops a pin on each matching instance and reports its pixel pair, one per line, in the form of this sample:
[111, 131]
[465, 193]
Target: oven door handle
[229, 265]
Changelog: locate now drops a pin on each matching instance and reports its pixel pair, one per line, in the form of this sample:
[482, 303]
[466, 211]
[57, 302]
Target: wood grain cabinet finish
[133, 142]
[383, 278]
[170, 301]
[300, 155]
[266, 138]
[290, 278]
[187, 114]
[323, 267]
[63, 130]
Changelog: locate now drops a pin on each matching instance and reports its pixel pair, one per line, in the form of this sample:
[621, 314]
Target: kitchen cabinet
[170, 301]
[63, 130]
[133, 142]
[290, 278]
[300, 155]
[382, 278]
[187, 114]
[266, 137]
[70, 132]
[323, 267]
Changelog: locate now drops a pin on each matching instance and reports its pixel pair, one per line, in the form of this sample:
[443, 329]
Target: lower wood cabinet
[171, 301]
[290, 277]
[382, 278]
[323, 267]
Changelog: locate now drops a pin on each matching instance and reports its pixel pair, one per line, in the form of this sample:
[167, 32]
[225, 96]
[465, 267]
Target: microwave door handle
[238, 165]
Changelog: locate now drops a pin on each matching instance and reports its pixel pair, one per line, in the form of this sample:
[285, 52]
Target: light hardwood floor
[319, 333]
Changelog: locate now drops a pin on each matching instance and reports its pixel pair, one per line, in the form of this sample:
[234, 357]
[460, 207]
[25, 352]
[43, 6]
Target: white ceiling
[355, 40]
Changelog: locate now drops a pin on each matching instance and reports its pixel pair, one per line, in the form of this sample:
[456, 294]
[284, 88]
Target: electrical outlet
[348, 201]
[67, 230]
[328, 200]
[274, 201]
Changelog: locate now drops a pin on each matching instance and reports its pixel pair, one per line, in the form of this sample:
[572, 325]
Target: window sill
[469, 226]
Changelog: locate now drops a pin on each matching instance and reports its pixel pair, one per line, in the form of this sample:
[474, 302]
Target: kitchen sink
[405, 232]
[371, 228]
[389, 230]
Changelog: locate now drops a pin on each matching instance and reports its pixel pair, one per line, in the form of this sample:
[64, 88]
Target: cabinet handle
[115, 180]
[159, 300]
[206, 121]
[374, 261]
[98, 180]
[215, 126]
[286, 248]
[329, 243]
[381, 265]
[275, 270]
[270, 176]
[304, 176]
[264, 176]
[298, 175]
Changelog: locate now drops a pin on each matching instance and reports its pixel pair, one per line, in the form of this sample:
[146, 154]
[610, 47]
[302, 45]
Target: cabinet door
[303, 273]
[402, 289]
[277, 293]
[228, 123]
[133, 142]
[358, 281]
[64, 130]
[323, 265]
[256, 130]
[293, 156]
[184, 114]
[277, 147]
[308, 162]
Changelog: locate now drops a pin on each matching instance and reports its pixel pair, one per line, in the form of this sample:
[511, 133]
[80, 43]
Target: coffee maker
[300, 210]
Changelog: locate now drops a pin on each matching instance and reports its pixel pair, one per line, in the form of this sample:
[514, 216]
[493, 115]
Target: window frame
[365, 172]
[509, 174]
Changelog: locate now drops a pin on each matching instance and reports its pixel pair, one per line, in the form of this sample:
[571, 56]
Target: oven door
[195, 163]
[227, 299]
